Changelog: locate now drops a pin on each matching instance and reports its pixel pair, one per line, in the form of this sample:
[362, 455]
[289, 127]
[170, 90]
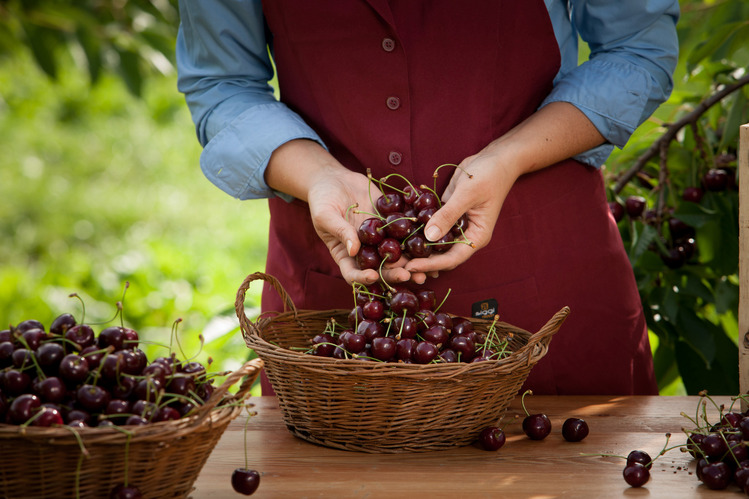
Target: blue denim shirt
[224, 68]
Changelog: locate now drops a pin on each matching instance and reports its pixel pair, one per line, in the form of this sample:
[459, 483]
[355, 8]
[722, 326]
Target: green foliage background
[101, 186]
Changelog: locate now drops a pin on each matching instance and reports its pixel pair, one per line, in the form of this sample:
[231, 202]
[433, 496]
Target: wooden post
[743, 174]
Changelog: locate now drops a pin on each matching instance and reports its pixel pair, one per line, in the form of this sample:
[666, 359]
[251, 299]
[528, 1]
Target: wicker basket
[164, 458]
[384, 407]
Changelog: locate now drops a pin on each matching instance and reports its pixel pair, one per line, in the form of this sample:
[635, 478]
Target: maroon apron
[402, 86]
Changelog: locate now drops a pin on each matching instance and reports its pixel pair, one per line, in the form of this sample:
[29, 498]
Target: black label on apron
[485, 309]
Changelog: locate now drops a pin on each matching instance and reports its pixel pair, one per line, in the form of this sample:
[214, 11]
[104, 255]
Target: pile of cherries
[70, 375]
[401, 325]
[397, 227]
[719, 449]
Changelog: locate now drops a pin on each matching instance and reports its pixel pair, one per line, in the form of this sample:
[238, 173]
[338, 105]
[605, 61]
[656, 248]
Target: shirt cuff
[236, 157]
[589, 88]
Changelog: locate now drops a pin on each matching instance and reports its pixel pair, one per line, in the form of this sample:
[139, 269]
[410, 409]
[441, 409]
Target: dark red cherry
[617, 210]
[636, 475]
[574, 429]
[492, 438]
[692, 194]
[537, 426]
[383, 348]
[635, 206]
[368, 258]
[245, 481]
[391, 202]
[389, 250]
[425, 352]
[371, 232]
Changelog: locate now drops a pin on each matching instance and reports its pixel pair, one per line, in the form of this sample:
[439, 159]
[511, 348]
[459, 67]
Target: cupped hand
[339, 202]
[477, 189]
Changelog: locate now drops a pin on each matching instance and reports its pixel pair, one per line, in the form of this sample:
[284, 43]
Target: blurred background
[100, 188]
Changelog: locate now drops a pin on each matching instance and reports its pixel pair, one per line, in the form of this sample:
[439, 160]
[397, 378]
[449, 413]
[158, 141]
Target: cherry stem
[522, 401]
[449, 290]
[369, 190]
[83, 306]
[397, 175]
[436, 172]
[349, 210]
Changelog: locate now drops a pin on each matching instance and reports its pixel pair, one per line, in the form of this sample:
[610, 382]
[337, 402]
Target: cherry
[22, 359]
[131, 338]
[368, 258]
[27, 325]
[635, 206]
[324, 344]
[427, 199]
[692, 194]
[181, 384]
[464, 346]
[405, 327]
[713, 446]
[166, 413]
[16, 382]
[674, 258]
[92, 398]
[82, 335]
[574, 429]
[460, 226]
[636, 475]
[93, 356]
[52, 390]
[245, 481]
[404, 349]
[444, 243]
[492, 438]
[639, 456]
[617, 210]
[715, 180]
[444, 319]
[410, 194]
[148, 389]
[716, 475]
[391, 202]
[536, 426]
[417, 246]
[73, 368]
[398, 226]
[34, 337]
[49, 356]
[436, 334]
[371, 231]
[425, 352]
[61, 324]
[383, 348]
[425, 215]
[390, 250]
[354, 342]
[461, 325]
[373, 310]
[113, 336]
[370, 329]
[123, 491]
[404, 301]
[6, 354]
[48, 416]
[448, 355]
[23, 408]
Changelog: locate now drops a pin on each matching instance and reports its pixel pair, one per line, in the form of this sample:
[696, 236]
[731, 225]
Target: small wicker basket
[164, 459]
[382, 407]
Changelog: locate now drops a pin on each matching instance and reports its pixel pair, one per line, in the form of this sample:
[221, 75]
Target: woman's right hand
[335, 196]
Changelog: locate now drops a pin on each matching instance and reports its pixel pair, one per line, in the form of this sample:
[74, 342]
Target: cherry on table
[492, 438]
[574, 429]
[640, 456]
[636, 475]
[716, 475]
[245, 481]
[536, 426]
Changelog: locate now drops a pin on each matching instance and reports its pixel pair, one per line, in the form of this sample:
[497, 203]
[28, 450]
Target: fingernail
[348, 247]
[432, 233]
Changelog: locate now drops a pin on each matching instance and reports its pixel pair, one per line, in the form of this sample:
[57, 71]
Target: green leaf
[695, 214]
[713, 43]
[726, 297]
[717, 379]
[698, 333]
[736, 117]
[43, 43]
[641, 241]
[130, 70]
[91, 46]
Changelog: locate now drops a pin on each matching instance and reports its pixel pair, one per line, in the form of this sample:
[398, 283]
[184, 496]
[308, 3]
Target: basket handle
[250, 371]
[549, 329]
[246, 323]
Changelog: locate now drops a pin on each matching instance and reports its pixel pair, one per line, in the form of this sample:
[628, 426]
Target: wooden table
[291, 467]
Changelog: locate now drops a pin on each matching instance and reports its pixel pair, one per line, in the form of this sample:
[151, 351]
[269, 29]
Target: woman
[400, 86]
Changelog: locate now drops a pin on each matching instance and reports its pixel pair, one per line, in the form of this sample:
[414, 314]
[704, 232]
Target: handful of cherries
[401, 325]
[396, 228]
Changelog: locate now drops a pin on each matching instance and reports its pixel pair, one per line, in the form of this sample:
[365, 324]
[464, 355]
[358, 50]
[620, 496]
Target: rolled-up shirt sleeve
[223, 71]
[633, 54]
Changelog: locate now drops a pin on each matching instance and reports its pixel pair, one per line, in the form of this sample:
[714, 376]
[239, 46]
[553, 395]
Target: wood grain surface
[522, 468]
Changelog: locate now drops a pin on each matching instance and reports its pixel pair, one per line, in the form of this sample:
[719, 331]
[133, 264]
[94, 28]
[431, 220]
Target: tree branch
[660, 145]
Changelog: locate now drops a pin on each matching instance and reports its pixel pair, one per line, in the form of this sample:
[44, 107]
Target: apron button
[388, 44]
[393, 103]
[395, 158]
